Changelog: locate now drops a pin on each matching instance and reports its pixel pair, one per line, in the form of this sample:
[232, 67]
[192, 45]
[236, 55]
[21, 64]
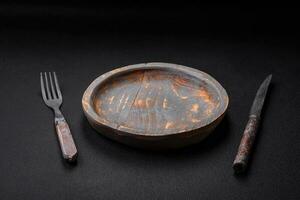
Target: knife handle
[67, 145]
[245, 148]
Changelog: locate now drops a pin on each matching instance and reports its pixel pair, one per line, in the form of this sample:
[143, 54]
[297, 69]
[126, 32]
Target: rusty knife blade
[260, 97]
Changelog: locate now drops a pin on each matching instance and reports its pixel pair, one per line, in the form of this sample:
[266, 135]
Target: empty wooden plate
[155, 105]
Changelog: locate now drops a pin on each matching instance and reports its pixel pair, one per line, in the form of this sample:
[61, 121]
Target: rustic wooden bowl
[155, 105]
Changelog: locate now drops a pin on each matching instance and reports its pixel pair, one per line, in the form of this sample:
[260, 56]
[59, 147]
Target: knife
[247, 141]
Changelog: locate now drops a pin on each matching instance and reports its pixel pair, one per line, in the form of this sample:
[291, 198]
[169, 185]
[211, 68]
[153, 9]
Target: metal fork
[52, 97]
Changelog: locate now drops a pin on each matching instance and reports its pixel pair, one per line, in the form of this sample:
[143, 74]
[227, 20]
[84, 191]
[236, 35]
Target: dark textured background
[238, 45]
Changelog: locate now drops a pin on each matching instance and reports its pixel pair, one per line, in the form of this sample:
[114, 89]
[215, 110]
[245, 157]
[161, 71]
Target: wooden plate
[155, 105]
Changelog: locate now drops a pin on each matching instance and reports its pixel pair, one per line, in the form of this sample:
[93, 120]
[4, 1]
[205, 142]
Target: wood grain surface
[155, 99]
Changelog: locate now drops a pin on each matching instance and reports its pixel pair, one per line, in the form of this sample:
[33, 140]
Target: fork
[53, 98]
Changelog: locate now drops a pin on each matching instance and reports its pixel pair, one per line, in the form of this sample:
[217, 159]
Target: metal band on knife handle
[244, 151]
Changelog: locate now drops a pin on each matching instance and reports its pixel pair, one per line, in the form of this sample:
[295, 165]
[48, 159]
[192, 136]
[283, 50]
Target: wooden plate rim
[87, 99]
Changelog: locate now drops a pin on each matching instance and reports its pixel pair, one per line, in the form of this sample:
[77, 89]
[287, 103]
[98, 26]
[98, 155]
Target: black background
[239, 45]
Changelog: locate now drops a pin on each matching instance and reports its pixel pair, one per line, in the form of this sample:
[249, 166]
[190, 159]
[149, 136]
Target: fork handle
[67, 145]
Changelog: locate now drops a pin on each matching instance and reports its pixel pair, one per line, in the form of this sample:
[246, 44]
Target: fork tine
[57, 86]
[43, 87]
[52, 87]
[47, 86]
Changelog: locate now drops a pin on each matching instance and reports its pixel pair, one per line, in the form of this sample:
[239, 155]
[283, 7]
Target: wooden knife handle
[245, 148]
[66, 141]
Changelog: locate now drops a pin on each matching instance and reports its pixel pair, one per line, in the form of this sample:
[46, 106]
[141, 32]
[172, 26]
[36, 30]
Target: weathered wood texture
[241, 160]
[155, 102]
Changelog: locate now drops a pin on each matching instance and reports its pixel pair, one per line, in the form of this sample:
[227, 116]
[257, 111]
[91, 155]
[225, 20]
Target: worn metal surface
[155, 105]
[53, 98]
[245, 147]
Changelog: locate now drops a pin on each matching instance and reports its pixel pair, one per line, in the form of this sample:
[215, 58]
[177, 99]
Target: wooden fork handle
[67, 145]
